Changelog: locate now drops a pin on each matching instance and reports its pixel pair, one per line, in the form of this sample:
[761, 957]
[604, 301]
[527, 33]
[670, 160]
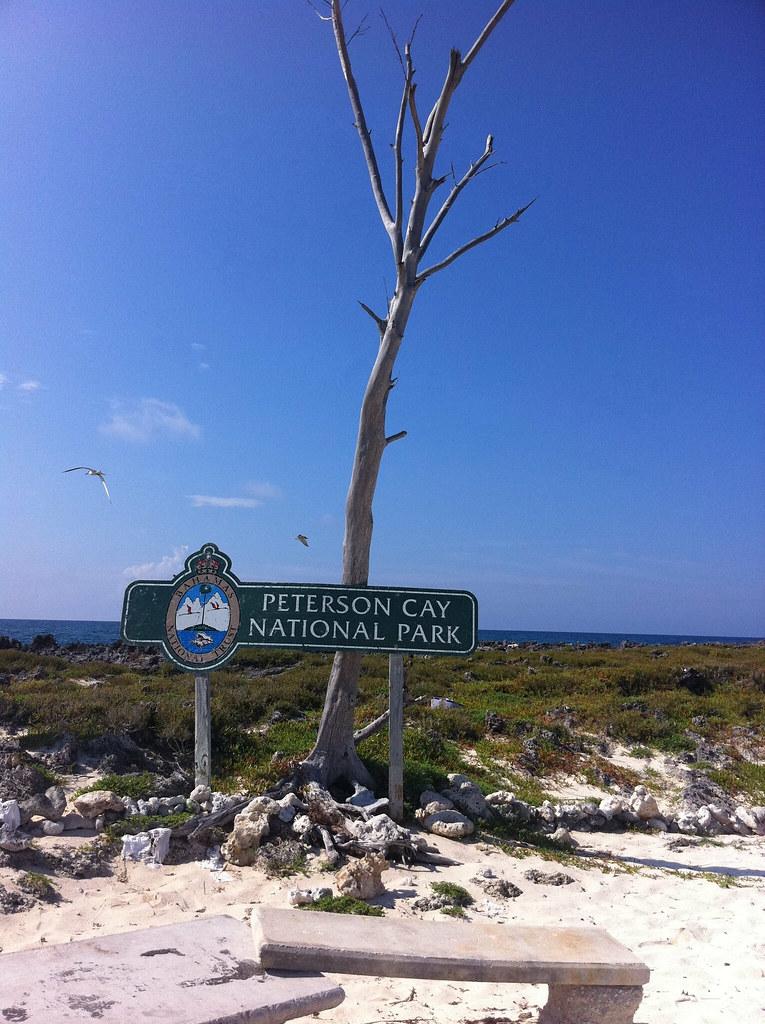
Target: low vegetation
[344, 905]
[551, 711]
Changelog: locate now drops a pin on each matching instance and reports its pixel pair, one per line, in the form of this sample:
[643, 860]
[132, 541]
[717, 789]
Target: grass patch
[282, 858]
[143, 822]
[38, 885]
[454, 912]
[344, 905]
[138, 786]
[631, 696]
[455, 894]
[742, 777]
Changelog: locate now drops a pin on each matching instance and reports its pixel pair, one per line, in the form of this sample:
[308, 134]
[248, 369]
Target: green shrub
[455, 894]
[38, 885]
[453, 911]
[138, 786]
[143, 822]
[345, 905]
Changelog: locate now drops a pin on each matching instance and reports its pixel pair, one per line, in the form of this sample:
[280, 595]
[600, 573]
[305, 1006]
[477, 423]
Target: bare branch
[317, 12]
[360, 30]
[398, 158]
[392, 34]
[414, 29]
[492, 23]
[457, 68]
[360, 122]
[395, 437]
[416, 124]
[471, 173]
[377, 723]
[499, 226]
[381, 322]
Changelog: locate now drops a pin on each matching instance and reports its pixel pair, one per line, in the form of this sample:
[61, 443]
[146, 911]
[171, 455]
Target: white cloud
[211, 501]
[3, 380]
[263, 489]
[168, 565]
[204, 366]
[198, 346]
[30, 385]
[149, 418]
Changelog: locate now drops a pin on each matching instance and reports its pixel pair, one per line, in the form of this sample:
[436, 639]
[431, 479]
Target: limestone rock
[613, 807]
[301, 824]
[547, 812]
[362, 797]
[289, 805]
[547, 878]
[200, 794]
[10, 816]
[261, 805]
[502, 796]
[382, 829]
[499, 888]
[657, 824]
[644, 805]
[36, 806]
[564, 837]
[362, 878]
[73, 822]
[304, 897]
[467, 797]
[90, 805]
[432, 802]
[150, 847]
[57, 798]
[14, 840]
[243, 843]
[53, 828]
[723, 817]
[449, 824]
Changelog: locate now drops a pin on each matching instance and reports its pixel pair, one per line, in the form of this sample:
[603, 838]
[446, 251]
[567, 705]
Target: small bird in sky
[92, 472]
[302, 538]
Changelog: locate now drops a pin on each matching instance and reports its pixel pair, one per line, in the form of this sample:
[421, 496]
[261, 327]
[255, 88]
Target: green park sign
[202, 615]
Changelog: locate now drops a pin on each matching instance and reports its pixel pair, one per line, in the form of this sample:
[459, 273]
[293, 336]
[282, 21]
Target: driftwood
[377, 723]
[396, 849]
[195, 828]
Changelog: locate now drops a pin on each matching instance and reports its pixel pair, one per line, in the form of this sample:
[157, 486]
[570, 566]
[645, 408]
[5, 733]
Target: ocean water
[69, 631]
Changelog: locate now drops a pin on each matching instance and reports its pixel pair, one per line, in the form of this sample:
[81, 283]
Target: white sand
[705, 944]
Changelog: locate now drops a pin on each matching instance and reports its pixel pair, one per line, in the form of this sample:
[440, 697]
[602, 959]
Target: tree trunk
[334, 753]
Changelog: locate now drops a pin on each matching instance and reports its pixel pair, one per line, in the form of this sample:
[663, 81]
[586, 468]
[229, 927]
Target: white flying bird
[92, 472]
[302, 538]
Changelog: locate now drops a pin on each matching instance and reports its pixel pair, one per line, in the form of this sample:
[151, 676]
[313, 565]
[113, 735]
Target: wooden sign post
[396, 736]
[202, 742]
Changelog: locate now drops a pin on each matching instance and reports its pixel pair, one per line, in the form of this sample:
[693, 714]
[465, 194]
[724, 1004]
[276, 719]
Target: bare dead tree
[334, 754]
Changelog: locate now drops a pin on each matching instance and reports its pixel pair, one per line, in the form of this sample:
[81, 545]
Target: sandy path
[704, 943]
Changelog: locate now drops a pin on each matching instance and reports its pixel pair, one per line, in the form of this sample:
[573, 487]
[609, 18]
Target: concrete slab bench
[200, 972]
[592, 978]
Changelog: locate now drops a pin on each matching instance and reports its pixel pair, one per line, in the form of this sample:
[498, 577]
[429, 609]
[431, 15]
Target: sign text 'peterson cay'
[203, 614]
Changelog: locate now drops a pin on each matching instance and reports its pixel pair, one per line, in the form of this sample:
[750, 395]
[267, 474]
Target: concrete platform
[450, 951]
[200, 972]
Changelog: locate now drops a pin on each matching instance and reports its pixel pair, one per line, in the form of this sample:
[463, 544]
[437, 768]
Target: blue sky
[186, 227]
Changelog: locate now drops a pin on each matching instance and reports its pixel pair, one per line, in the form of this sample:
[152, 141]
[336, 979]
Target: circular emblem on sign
[202, 617]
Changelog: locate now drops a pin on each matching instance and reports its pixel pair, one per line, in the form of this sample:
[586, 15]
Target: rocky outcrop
[449, 824]
[90, 805]
[467, 797]
[362, 879]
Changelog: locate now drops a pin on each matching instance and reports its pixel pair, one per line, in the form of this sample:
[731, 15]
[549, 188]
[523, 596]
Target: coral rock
[361, 878]
[449, 824]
